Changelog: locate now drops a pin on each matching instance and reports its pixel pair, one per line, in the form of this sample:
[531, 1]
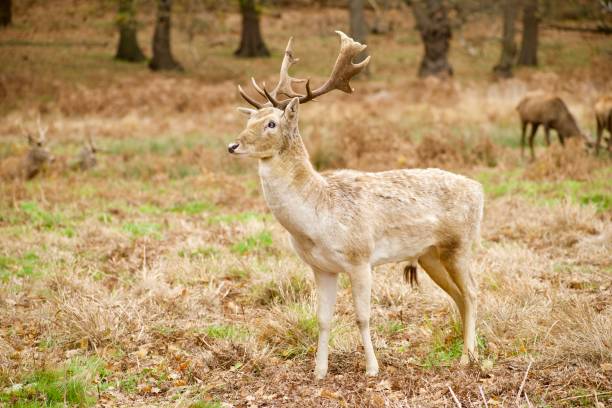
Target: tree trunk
[529, 43]
[6, 16]
[162, 55]
[128, 48]
[508, 49]
[251, 42]
[434, 27]
[358, 26]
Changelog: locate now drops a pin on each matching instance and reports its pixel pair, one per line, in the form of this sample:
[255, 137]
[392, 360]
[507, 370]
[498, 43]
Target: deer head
[272, 124]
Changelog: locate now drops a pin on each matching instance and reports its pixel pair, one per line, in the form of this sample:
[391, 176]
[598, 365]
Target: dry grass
[159, 279]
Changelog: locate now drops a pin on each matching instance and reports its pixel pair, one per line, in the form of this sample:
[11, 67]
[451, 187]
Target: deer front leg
[361, 285]
[327, 284]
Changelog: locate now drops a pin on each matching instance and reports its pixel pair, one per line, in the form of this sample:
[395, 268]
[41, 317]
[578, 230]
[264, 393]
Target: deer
[33, 162]
[349, 221]
[550, 111]
[603, 117]
[86, 158]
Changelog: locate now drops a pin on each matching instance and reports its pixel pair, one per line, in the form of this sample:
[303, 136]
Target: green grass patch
[592, 192]
[253, 243]
[25, 266]
[225, 332]
[39, 217]
[193, 207]
[72, 385]
[391, 328]
[206, 404]
[142, 229]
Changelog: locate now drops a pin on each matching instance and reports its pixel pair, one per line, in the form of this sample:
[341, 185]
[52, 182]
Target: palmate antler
[344, 69]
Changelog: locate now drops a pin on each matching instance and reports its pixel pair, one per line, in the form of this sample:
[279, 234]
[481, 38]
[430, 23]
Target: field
[159, 278]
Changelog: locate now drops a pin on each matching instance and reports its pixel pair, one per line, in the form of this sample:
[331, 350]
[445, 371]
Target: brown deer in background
[87, 156]
[551, 112]
[34, 161]
[603, 116]
[348, 221]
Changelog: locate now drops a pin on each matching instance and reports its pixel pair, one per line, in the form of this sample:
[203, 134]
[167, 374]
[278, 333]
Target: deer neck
[292, 187]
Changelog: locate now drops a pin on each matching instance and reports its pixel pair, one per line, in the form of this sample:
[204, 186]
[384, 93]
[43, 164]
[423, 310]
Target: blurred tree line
[435, 20]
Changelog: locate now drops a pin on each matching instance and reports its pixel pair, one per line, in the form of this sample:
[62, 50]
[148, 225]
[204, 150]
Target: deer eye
[271, 124]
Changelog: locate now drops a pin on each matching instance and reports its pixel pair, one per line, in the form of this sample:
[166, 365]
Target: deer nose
[232, 147]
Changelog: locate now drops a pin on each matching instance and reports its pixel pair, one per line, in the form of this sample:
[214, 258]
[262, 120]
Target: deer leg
[458, 266]
[361, 286]
[599, 134]
[436, 270]
[561, 139]
[523, 130]
[547, 134]
[534, 129]
[327, 284]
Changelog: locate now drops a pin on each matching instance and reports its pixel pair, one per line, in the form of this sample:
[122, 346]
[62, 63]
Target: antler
[42, 131]
[344, 69]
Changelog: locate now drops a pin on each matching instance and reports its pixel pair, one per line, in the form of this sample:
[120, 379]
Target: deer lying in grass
[30, 165]
[350, 221]
[87, 156]
[549, 111]
[603, 116]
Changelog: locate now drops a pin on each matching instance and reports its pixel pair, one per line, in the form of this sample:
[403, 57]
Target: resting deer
[87, 156]
[350, 221]
[30, 165]
[549, 111]
[603, 116]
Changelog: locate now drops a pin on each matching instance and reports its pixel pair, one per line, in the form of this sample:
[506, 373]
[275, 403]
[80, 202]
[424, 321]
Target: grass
[164, 272]
[72, 385]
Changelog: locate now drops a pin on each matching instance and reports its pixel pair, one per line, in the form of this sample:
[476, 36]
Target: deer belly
[389, 250]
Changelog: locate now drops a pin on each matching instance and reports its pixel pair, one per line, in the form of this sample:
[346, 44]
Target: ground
[159, 278]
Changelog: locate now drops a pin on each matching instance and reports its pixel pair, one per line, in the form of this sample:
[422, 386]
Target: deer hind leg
[327, 287]
[433, 264]
[361, 286]
[599, 134]
[547, 134]
[458, 265]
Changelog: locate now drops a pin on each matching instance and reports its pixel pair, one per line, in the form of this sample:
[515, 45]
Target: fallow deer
[30, 165]
[550, 111]
[603, 116]
[349, 221]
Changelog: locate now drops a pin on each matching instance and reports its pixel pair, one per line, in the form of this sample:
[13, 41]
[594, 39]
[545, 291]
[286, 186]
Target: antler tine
[285, 82]
[343, 71]
[271, 98]
[257, 87]
[250, 100]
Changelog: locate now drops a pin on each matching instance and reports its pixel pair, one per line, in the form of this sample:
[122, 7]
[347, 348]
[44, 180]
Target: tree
[6, 15]
[508, 50]
[529, 43]
[358, 26]
[162, 55]
[434, 26]
[251, 42]
[128, 48]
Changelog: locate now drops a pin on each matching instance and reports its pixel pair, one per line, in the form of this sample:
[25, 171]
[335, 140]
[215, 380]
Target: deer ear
[247, 111]
[291, 111]
[31, 140]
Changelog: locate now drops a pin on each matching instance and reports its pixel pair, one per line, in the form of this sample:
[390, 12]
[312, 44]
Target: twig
[454, 397]
[518, 395]
[484, 399]
[528, 402]
[595, 394]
